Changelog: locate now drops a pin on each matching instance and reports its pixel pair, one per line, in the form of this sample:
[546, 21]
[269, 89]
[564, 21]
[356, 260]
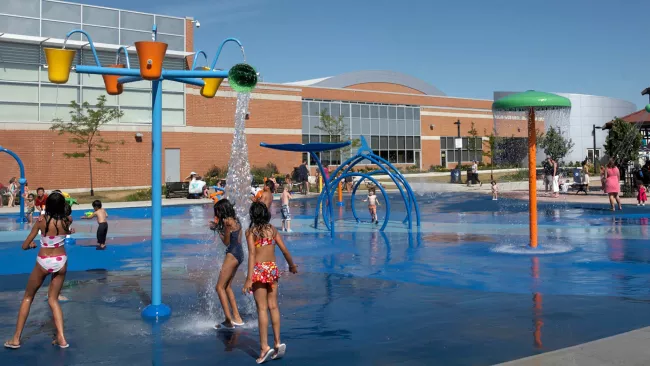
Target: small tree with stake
[623, 142]
[337, 131]
[86, 120]
[554, 144]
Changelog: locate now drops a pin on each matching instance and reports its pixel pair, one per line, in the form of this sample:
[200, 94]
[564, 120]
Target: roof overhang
[46, 41]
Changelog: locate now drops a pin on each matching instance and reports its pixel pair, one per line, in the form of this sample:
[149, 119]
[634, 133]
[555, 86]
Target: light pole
[593, 133]
[457, 123]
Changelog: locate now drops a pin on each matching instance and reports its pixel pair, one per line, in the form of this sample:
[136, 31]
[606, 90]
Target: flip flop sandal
[55, 343]
[238, 324]
[11, 346]
[282, 349]
[223, 326]
[267, 356]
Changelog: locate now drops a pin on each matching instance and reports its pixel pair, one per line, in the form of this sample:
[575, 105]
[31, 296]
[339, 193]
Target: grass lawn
[104, 196]
[522, 175]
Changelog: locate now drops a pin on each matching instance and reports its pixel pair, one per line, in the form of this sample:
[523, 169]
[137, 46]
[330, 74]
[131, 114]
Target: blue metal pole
[22, 181]
[191, 81]
[157, 309]
[129, 79]
[216, 57]
[170, 74]
[83, 69]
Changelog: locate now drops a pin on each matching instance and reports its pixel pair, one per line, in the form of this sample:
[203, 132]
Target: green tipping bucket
[242, 78]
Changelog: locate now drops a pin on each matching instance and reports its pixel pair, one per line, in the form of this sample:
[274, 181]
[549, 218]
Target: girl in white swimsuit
[51, 260]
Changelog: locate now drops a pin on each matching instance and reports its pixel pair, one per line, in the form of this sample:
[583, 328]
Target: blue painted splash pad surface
[452, 294]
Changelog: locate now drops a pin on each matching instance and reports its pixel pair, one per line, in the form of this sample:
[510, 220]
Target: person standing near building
[548, 174]
[303, 174]
[556, 178]
[475, 174]
[612, 184]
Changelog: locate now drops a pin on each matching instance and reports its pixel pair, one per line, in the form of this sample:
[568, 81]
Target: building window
[393, 132]
[590, 155]
[472, 149]
[26, 95]
[645, 132]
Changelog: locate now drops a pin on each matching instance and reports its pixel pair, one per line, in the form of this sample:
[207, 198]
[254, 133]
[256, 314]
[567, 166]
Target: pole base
[156, 311]
[340, 204]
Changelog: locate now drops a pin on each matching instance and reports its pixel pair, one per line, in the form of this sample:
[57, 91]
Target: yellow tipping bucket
[209, 90]
[59, 63]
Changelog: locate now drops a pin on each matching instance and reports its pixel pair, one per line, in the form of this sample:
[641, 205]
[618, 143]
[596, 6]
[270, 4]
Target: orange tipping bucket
[59, 63]
[110, 82]
[209, 90]
[151, 55]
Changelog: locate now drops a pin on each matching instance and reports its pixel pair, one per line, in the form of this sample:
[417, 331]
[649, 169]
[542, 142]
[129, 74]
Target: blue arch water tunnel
[22, 181]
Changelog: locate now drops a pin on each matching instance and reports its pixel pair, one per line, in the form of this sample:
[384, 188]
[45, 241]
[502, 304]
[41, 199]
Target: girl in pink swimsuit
[51, 260]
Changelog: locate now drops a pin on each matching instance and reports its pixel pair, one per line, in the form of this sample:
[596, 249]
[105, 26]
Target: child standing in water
[51, 260]
[102, 224]
[229, 229]
[495, 191]
[286, 214]
[642, 196]
[30, 207]
[372, 205]
[263, 275]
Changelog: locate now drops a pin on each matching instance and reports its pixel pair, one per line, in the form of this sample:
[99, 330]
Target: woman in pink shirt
[612, 184]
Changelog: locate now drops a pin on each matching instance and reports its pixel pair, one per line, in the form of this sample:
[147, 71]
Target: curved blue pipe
[126, 56]
[90, 41]
[216, 57]
[334, 174]
[196, 56]
[364, 176]
[396, 178]
[407, 186]
[22, 181]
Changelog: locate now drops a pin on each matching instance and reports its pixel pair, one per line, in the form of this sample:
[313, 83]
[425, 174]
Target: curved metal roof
[372, 76]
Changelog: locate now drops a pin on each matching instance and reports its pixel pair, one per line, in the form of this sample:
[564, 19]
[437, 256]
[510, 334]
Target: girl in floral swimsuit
[263, 275]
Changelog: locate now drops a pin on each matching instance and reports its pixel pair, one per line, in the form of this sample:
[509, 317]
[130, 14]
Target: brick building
[406, 120]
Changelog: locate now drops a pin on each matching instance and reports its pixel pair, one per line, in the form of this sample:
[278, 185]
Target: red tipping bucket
[151, 56]
[110, 82]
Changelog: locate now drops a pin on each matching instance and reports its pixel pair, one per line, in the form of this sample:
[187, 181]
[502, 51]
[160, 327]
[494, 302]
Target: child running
[102, 224]
[495, 191]
[372, 205]
[229, 229]
[51, 260]
[263, 275]
[286, 214]
[642, 196]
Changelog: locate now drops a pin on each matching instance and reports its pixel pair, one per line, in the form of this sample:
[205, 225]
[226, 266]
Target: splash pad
[150, 55]
[332, 185]
[531, 102]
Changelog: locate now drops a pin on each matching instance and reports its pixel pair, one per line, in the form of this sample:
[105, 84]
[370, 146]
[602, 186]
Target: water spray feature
[151, 55]
[531, 102]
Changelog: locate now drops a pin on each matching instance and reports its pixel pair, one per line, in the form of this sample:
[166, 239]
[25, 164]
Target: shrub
[259, 173]
[143, 195]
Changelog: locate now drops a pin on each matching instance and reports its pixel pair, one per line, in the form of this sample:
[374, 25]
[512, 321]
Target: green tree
[86, 120]
[491, 145]
[623, 142]
[337, 131]
[554, 144]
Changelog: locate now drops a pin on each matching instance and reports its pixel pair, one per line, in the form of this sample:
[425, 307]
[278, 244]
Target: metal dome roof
[371, 76]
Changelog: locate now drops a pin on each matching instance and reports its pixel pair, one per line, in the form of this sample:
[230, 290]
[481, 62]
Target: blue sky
[466, 48]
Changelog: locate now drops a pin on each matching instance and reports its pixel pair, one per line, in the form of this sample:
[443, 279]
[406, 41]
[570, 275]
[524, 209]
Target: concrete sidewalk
[165, 202]
[624, 349]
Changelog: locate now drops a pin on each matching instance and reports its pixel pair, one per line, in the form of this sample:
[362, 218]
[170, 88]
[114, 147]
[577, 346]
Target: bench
[177, 189]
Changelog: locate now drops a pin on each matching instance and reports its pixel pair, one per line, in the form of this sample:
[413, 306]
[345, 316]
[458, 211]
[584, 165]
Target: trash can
[577, 176]
[455, 176]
